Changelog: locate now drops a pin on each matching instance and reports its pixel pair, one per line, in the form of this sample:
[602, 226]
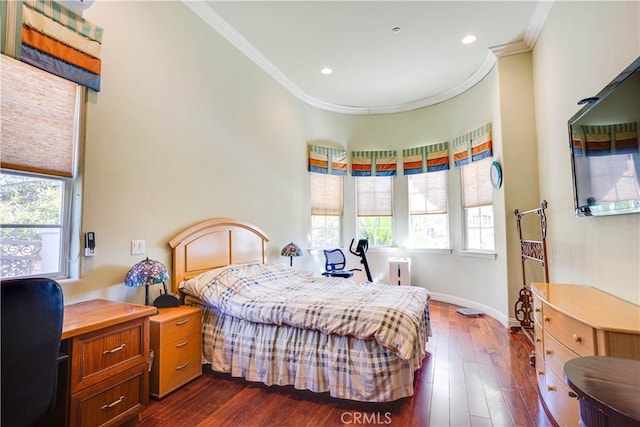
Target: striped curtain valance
[473, 146]
[53, 38]
[429, 158]
[327, 160]
[602, 140]
[373, 163]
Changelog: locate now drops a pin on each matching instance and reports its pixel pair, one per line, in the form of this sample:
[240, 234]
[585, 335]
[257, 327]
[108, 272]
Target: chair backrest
[32, 312]
[334, 259]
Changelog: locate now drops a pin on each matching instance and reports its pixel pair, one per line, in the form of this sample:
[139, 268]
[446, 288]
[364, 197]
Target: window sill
[478, 254]
[439, 251]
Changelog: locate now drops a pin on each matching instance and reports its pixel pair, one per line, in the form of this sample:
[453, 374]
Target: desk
[105, 379]
[608, 389]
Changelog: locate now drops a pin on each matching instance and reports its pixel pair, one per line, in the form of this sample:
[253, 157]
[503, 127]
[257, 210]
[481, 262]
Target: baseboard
[490, 311]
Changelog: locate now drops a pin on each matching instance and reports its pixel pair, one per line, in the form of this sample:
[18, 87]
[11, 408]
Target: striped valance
[53, 38]
[373, 163]
[327, 160]
[602, 140]
[429, 158]
[473, 146]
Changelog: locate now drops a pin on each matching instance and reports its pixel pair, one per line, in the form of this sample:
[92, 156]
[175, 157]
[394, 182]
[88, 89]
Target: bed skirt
[346, 367]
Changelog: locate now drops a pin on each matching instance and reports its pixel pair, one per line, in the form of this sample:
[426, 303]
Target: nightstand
[176, 340]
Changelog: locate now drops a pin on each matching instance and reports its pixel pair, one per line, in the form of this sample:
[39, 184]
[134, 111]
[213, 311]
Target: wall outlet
[137, 247]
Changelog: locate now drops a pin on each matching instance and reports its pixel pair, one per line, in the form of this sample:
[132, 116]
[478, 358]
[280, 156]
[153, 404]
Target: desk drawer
[100, 355]
[579, 337]
[112, 401]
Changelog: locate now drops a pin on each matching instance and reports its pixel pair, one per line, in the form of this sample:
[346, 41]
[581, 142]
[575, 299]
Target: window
[40, 123]
[428, 216]
[326, 210]
[477, 201]
[374, 205]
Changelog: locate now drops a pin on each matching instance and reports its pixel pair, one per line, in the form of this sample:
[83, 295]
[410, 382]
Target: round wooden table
[608, 389]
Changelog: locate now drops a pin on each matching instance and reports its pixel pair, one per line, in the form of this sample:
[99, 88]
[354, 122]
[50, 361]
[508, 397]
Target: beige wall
[583, 46]
[180, 134]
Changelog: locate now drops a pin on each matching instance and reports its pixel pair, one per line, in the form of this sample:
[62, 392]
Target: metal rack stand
[534, 250]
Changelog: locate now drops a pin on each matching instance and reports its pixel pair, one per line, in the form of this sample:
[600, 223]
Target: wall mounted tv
[605, 148]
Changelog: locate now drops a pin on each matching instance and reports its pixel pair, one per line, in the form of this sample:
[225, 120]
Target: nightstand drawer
[180, 327]
[176, 372]
[112, 401]
[100, 355]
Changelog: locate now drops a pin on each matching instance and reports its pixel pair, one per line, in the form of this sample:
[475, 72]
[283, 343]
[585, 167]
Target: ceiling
[386, 56]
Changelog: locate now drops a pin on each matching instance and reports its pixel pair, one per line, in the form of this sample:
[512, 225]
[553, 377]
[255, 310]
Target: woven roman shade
[476, 183]
[374, 196]
[38, 128]
[428, 193]
[326, 194]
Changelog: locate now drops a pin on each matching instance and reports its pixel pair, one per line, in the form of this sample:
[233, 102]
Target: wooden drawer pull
[111, 405]
[547, 319]
[182, 344]
[184, 365]
[537, 310]
[577, 338]
[549, 352]
[114, 350]
[551, 388]
[538, 340]
[540, 372]
[182, 322]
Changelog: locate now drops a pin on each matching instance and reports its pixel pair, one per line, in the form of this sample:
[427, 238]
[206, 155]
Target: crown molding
[215, 21]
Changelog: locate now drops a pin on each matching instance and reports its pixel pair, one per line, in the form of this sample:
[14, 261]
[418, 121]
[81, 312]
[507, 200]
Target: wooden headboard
[215, 243]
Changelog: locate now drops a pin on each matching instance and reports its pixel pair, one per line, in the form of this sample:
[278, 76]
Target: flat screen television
[605, 149]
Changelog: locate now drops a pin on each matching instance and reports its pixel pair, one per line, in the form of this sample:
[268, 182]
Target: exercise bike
[361, 252]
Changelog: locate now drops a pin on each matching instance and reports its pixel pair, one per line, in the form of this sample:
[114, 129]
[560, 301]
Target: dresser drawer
[576, 335]
[112, 401]
[107, 352]
[565, 409]
[556, 355]
[538, 340]
[537, 309]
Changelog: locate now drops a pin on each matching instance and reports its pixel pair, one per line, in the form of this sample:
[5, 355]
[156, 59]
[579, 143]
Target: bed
[272, 324]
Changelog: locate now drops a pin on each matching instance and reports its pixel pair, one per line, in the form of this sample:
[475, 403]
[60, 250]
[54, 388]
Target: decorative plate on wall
[496, 175]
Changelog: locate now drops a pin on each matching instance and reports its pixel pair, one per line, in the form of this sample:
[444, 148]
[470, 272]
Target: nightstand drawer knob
[111, 405]
[182, 344]
[114, 350]
[184, 365]
[577, 338]
[182, 322]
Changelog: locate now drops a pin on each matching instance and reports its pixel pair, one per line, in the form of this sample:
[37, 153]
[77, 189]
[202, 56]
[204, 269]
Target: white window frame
[437, 213]
[370, 215]
[326, 229]
[480, 173]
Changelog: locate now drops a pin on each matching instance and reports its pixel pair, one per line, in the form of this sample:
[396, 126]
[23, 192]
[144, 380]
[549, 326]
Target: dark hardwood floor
[476, 373]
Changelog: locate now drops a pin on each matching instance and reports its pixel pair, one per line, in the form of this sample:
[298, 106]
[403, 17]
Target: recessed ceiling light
[326, 70]
[468, 39]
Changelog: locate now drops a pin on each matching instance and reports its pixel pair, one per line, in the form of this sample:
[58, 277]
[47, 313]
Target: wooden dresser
[108, 370]
[574, 321]
[176, 340]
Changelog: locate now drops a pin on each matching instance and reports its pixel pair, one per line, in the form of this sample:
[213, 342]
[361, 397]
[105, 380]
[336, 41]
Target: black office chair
[32, 312]
[334, 264]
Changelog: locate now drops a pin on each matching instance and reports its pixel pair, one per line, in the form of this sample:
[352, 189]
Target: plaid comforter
[395, 316]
